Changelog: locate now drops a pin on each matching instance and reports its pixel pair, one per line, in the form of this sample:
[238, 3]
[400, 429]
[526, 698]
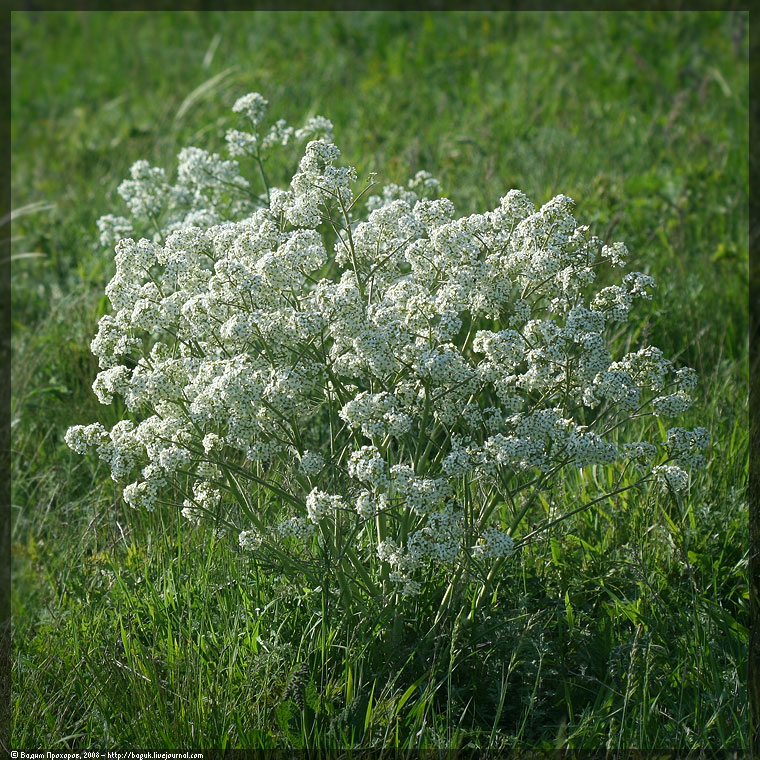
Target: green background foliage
[629, 627]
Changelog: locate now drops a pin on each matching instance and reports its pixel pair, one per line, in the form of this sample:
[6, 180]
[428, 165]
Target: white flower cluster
[494, 543]
[253, 105]
[312, 463]
[378, 364]
[377, 414]
[686, 446]
[672, 476]
[249, 540]
[205, 500]
[320, 505]
[369, 504]
[296, 527]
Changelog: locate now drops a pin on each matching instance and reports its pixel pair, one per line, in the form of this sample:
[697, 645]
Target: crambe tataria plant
[327, 371]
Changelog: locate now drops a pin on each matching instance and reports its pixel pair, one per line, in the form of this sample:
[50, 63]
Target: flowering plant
[396, 389]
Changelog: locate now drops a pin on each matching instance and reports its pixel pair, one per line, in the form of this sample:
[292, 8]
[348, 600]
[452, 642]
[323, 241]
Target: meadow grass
[627, 627]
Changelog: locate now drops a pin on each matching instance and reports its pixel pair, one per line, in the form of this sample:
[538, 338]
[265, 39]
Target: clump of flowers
[326, 368]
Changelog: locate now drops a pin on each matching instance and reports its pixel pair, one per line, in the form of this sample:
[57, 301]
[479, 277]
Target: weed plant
[625, 626]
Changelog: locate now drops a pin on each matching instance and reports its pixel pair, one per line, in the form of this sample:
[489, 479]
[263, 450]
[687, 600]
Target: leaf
[569, 611]
[368, 714]
[285, 712]
[408, 693]
[312, 697]
[556, 550]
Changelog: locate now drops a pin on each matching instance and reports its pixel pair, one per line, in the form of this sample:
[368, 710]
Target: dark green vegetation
[628, 627]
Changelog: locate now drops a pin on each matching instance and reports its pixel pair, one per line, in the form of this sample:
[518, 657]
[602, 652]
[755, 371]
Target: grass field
[629, 627]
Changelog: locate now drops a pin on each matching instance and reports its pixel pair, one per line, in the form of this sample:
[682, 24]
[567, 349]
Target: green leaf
[285, 712]
[311, 695]
[556, 550]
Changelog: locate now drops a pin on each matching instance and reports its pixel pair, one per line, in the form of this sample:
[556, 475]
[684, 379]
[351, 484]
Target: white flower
[494, 543]
[112, 229]
[424, 180]
[368, 504]
[368, 466]
[472, 352]
[639, 450]
[253, 105]
[312, 463]
[212, 442]
[193, 515]
[249, 540]
[687, 446]
[672, 476]
[320, 505]
[80, 438]
[279, 134]
[147, 191]
[241, 143]
[296, 527]
[316, 126]
[617, 253]
[671, 405]
[376, 414]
